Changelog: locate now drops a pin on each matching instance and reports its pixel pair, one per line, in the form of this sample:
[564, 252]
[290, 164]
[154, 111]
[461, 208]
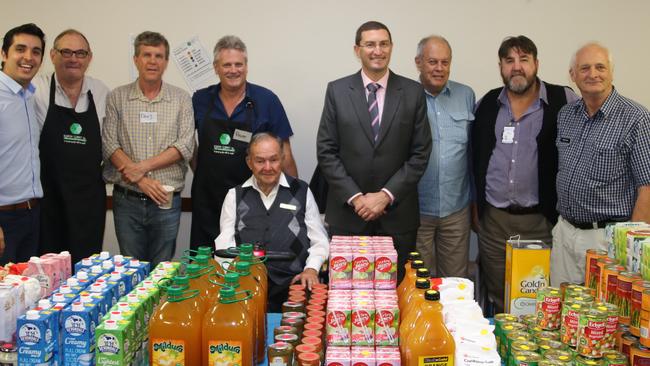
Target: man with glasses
[20, 186]
[373, 145]
[70, 107]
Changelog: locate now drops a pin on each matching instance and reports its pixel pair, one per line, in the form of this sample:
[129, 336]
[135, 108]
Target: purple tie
[373, 108]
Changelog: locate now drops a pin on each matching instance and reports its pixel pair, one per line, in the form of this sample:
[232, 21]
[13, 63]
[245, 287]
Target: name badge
[243, 136]
[148, 117]
[287, 206]
[508, 135]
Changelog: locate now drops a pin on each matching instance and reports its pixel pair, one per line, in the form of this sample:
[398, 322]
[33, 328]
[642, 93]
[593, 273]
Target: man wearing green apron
[71, 106]
[226, 115]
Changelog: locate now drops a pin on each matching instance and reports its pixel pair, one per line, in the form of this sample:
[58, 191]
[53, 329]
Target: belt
[27, 205]
[519, 210]
[592, 225]
[131, 193]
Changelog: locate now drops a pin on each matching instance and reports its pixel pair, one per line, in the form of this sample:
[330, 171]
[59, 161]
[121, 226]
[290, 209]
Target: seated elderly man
[278, 212]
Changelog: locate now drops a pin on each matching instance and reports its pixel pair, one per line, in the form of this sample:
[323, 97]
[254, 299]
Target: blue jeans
[145, 231]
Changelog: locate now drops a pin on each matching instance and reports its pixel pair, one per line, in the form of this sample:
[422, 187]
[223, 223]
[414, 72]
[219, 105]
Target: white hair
[574, 57]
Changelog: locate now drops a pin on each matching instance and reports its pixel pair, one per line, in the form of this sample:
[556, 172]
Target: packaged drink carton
[338, 356]
[66, 259]
[134, 313]
[363, 356]
[78, 330]
[171, 268]
[61, 265]
[527, 270]
[17, 293]
[363, 269]
[130, 278]
[362, 294]
[153, 290]
[104, 255]
[340, 269]
[386, 270]
[31, 286]
[35, 340]
[92, 273]
[55, 313]
[46, 271]
[84, 263]
[113, 346]
[386, 323]
[8, 318]
[74, 290]
[142, 266]
[338, 324]
[362, 321]
[387, 356]
[103, 295]
[620, 238]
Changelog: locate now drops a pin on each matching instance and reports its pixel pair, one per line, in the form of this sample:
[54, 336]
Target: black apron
[73, 211]
[221, 165]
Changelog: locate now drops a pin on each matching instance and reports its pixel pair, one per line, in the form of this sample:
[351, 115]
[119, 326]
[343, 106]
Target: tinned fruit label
[225, 353]
[168, 352]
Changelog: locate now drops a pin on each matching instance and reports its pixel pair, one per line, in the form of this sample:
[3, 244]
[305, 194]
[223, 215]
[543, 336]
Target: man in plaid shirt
[603, 146]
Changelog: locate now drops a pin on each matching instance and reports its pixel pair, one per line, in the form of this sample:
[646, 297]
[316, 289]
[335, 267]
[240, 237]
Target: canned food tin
[591, 268]
[582, 299]
[585, 361]
[574, 290]
[601, 264]
[506, 329]
[622, 329]
[499, 320]
[627, 342]
[550, 345]
[644, 331]
[614, 358]
[548, 308]
[280, 353]
[612, 322]
[512, 338]
[569, 326]
[552, 363]
[610, 282]
[645, 300]
[547, 335]
[591, 333]
[530, 320]
[639, 355]
[624, 295]
[636, 300]
[559, 355]
[525, 358]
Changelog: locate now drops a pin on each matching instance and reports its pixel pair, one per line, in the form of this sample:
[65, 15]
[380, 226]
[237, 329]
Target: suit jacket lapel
[391, 103]
[360, 104]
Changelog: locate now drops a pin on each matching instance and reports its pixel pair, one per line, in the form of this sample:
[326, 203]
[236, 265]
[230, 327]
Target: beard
[518, 86]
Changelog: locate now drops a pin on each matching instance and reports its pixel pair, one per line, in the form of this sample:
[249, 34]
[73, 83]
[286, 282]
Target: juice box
[338, 323]
[387, 356]
[66, 259]
[85, 263]
[79, 323]
[362, 319]
[386, 269]
[338, 356]
[527, 270]
[340, 269]
[60, 265]
[619, 238]
[46, 271]
[363, 269]
[8, 318]
[35, 338]
[113, 345]
[363, 356]
[386, 323]
[142, 266]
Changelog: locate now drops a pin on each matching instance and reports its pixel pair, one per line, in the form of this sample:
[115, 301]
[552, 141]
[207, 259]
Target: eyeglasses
[67, 53]
[372, 45]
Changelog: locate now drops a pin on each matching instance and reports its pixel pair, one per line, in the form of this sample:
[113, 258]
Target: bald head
[592, 71]
[590, 47]
[433, 60]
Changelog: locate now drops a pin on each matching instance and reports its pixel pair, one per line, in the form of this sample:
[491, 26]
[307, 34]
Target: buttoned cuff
[353, 197]
[390, 195]
[314, 263]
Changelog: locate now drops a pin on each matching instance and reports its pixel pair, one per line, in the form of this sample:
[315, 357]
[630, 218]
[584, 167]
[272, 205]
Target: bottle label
[168, 352]
[225, 353]
[441, 360]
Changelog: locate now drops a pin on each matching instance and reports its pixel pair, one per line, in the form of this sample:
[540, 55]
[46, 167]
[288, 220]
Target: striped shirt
[144, 128]
[602, 159]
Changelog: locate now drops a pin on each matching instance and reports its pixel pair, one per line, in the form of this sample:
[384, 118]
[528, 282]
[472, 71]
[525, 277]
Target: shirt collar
[446, 90]
[136, 93]
[84, 85]
[607, 107]
[542, 95]
[383, 81]
[13, 84]
[252, 182]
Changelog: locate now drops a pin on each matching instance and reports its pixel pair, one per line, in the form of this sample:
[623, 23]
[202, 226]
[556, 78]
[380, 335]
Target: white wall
[296, 46]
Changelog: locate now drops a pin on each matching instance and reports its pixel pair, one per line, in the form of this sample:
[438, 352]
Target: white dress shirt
[319, 242]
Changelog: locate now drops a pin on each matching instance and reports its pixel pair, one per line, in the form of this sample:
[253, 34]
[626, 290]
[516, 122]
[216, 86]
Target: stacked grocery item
[362, 309]
[625, 243]
[528, 266]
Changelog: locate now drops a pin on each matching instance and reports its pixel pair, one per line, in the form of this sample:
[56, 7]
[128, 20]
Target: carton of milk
[35, 338]
[79, 334]
[527, 270]
[113, 345]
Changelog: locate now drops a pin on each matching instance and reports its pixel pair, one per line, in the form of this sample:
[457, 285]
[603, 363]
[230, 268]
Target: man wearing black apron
[226, 115]
[73, 211]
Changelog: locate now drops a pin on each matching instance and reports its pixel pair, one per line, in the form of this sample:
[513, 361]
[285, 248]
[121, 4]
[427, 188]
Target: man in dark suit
[373, 146]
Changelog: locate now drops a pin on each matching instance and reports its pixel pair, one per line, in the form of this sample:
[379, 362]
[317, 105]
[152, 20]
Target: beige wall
[297, 46]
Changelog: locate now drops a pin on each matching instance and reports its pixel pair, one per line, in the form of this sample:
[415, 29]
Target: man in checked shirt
[148, 139]
[603, 144]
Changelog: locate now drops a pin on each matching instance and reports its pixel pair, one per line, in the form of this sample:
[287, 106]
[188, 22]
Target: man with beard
[514, 160]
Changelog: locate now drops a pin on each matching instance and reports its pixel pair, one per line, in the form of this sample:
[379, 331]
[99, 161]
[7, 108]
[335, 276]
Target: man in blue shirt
[226, 115]
[20, 187]
[444, 195]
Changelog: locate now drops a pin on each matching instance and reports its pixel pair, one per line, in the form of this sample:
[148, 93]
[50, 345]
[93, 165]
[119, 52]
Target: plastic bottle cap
[35, 259]
[226, 292]
[72, 281]
[65, 252]
[134, 263]
[44, 303]
[110, 324]
[181, 280]
[82, 275]
[107, 264]
[201, 259]
[116, 315]
[232, 277]
[245, 256]
[31, 314]
[148, 284]
[119, 268]
[96, 287]
[167, 265]
[132, 298]
[422, 283]
[118, 258]
[65, 289]
[246, 247]
[192, 268]
[413, 256]
[77, 306]
[417, 264]
[85, 298]
[96, 269]
[243, 267]
[58, 297]
[205, 251]
[104, 255]
[423, 273]
[87, 262]
[174, 290]
[115, 276]
[432, 295]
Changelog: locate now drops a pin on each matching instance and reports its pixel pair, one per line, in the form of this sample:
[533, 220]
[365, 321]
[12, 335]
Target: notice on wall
[195, 64]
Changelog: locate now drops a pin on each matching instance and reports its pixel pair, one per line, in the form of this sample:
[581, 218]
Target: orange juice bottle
[431, 339]
[416, 297]
[184, 283]
[207, 251]
[409, 277]
[420, 273]
[198, 278]
[175, 330]
[412, 256]
[248, 282]
[228, 337]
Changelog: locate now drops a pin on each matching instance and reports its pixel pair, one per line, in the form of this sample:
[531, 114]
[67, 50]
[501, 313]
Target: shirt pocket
[458, 130]
[607, 164]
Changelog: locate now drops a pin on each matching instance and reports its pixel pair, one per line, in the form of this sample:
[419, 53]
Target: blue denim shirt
[19, 135]
[444, 187]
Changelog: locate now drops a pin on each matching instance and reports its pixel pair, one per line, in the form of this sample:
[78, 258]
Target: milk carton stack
[362, 313]
[473, 334]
